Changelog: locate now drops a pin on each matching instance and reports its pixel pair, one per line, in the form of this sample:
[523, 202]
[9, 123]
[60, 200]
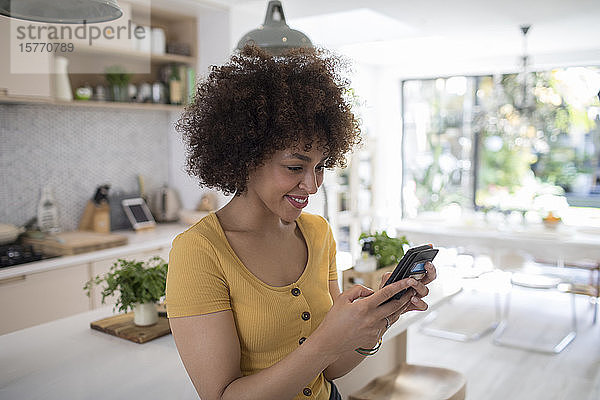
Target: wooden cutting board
[75, 242]
[122, 326]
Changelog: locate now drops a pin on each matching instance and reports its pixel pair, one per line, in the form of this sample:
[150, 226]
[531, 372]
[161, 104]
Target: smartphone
[412, 264]
[402, 264]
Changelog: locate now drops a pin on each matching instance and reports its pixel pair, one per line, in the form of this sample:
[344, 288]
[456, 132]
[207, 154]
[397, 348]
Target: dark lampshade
[275, 35]
[62, 11]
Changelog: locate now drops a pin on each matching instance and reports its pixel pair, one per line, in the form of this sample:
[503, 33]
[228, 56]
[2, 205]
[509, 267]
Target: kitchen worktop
[161, 236]
[66, 359]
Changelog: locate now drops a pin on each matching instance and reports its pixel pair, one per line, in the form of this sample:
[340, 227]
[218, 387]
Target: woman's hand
[416, 302]
[358, 317]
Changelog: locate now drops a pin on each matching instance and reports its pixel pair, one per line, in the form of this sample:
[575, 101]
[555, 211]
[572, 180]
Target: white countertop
[66, 359]
[161, 236]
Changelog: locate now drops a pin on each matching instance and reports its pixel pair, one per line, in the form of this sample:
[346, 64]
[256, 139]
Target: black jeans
[335, 395]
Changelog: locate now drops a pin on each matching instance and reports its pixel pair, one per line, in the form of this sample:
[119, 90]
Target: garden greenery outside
[485, 142]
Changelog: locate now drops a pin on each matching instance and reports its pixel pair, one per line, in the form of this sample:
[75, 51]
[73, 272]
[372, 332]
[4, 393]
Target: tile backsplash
[74, 150]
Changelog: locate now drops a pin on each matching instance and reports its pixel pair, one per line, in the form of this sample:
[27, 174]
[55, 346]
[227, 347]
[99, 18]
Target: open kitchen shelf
[136, 55]
[89, 103]
[87, 63]
[352, 197]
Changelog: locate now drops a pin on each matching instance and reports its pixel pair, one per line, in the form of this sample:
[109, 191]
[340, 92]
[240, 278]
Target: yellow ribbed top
[205, 275]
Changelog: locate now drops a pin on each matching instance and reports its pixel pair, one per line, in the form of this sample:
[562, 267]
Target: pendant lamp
[62, 11]
[275, 36]
[525, 102]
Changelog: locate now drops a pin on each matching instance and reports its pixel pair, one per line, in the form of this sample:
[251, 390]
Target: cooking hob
[15, 254]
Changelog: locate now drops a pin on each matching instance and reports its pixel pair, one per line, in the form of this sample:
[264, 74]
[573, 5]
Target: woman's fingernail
[415, 299]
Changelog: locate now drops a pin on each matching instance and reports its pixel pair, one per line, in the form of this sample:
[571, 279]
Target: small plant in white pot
[138, 285]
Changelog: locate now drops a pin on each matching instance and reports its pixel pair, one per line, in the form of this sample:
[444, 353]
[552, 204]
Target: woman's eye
[318, 168]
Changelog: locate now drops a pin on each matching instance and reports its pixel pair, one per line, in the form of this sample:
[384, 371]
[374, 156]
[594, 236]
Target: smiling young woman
[252, 293]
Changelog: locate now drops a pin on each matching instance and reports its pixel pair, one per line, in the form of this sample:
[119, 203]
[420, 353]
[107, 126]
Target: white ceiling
[416, 34]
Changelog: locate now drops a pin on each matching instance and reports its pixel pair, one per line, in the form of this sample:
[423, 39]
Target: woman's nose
[309, 183]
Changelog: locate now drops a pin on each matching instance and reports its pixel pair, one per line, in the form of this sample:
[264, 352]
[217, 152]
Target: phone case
[415, 267]
[400, 269]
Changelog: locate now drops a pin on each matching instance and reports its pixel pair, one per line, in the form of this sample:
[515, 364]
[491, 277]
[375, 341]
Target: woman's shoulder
[200, 242]
[314, 223]
[203, 232]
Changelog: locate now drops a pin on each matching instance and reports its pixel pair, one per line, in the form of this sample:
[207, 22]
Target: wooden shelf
[133, 54]
[87, 64]
[89, 103]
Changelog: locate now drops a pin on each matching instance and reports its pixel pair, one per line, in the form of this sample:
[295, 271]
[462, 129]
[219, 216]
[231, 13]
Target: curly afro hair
[256, 104]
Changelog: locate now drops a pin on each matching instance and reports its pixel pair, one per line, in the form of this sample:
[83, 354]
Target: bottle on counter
[47, 213]
[367, 261]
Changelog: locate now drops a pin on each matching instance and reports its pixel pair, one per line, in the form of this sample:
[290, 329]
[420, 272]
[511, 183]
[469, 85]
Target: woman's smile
[298, 201]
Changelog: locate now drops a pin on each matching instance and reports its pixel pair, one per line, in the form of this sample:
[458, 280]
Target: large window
[474, 141]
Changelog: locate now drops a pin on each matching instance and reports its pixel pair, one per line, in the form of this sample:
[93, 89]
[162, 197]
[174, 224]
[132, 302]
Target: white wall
[213, 49]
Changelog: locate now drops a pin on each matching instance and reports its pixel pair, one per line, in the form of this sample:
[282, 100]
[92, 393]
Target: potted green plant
[139, 285]
[118, 80]
[387, 250]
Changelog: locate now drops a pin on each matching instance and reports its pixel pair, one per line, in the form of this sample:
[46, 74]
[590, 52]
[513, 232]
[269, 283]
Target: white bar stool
[538, 282]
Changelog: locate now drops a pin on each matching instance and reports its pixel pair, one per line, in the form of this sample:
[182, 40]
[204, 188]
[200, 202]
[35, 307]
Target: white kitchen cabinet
[32, 299]
[50, 289]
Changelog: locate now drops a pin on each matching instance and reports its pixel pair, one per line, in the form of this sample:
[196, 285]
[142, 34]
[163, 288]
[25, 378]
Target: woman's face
[285, 182]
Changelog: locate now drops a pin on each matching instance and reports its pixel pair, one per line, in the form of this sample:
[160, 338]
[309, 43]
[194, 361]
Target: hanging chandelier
[524, 100]
[511, 117]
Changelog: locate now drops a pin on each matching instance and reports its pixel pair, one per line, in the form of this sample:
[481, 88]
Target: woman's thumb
[356, 292]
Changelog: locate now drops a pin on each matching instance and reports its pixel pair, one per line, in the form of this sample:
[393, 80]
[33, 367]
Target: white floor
[499, 373]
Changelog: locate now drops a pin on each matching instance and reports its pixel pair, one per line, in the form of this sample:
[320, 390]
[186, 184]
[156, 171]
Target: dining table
[510, 244]
[560, 244]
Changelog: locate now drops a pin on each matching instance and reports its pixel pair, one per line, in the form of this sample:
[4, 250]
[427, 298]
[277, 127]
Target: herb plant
[135, 282]
[387, 250]
[116, 75]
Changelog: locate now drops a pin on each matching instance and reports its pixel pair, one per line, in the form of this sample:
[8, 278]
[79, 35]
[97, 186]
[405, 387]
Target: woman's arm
[347, 361]
[209, 347]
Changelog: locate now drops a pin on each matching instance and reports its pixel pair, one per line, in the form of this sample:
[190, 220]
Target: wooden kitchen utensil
[86, 222]
[95, 217]
[102, 218]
